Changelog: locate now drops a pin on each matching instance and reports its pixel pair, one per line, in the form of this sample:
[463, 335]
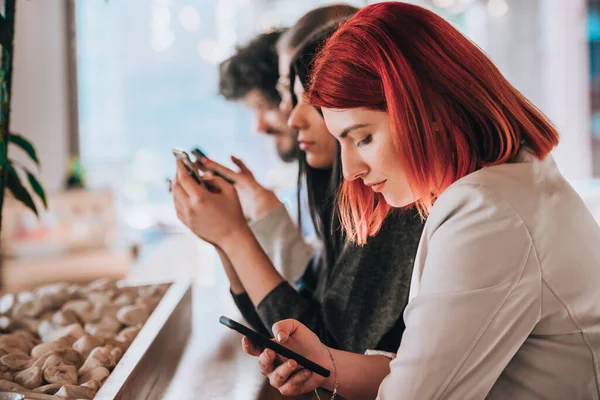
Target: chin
[398, 201]
[317, 162]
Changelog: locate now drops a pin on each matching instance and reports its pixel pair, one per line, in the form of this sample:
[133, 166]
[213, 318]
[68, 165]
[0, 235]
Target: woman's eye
[365, 141]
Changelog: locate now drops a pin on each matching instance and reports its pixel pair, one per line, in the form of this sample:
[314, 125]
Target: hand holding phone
[199, 155]
[264, 341]
[211, 209]
[185, 158]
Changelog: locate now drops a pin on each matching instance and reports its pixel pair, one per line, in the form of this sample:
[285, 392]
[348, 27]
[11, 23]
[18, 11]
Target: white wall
[564, 66]
[541, 47]
[39, 102]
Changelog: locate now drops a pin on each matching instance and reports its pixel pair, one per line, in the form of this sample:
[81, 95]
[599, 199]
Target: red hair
[451, 110]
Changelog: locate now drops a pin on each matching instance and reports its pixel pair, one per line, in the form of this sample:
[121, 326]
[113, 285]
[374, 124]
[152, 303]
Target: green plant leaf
[2, 154]
[25, 145]
[18, 190]
[4, 33]
[37, 188]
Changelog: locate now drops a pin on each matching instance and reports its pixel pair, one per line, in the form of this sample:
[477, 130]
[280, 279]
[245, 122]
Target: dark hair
[312, 21]
[321, 184]
[253, 66]
[306, 52]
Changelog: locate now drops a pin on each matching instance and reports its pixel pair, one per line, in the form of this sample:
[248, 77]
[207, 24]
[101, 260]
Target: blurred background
[105, 89]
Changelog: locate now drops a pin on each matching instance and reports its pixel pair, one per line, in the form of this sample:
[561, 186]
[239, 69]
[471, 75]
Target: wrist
[235, 238]
[331, 382]
[266, 202]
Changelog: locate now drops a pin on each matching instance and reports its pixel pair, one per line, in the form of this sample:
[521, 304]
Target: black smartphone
[264, 341]
[185, 158]
[199, 154]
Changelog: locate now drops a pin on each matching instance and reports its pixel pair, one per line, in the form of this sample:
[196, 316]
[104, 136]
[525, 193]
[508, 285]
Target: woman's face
[368, 152]
[313, 137]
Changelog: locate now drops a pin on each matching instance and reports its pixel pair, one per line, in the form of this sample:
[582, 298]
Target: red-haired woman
[505, 299]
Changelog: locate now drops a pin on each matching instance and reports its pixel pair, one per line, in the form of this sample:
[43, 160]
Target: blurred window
[147, 82]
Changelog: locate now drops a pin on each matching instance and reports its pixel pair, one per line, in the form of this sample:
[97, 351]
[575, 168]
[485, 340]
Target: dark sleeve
[370, 315]
[276, 299]
[285, 302]
[244, 304]
[360, 302]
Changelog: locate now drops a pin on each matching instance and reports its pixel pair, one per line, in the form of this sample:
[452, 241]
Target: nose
[352, 166]
[260, 123]
[296, 120]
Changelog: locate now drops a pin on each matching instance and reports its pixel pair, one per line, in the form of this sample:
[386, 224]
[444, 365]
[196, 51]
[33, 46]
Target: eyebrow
[349, 129]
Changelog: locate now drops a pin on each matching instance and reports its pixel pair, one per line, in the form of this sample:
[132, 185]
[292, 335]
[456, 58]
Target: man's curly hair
[253, 66]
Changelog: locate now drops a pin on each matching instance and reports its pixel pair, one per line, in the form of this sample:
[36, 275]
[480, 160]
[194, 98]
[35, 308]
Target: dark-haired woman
[347, 287]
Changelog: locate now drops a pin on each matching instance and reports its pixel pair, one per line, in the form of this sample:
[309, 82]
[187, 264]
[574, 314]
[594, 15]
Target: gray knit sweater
[357, 303]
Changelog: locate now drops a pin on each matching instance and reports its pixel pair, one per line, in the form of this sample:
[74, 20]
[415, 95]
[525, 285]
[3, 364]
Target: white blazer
[505, 294]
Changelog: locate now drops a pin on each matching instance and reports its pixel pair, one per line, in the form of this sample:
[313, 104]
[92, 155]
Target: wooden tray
[147, 367]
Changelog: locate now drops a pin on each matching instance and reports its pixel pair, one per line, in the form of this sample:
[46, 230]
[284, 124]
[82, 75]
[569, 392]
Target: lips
[376, 186]
[305, 145]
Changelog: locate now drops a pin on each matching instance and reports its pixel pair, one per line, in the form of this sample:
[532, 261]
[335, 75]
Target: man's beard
[290, 155]
[287, 155]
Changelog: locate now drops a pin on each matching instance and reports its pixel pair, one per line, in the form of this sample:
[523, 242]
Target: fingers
[179, 192]
[241, 165]
[180, 204]
[297, 383]
[282, 330]
[187, 182]
[217, 184]
[266, 362]
[221, 169]
[201, 166]
[281, 374]
[251, 348]
[182, 201]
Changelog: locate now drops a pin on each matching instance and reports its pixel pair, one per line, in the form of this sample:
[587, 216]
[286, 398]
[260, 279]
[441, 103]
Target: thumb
[282, 330]
[241, 165]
